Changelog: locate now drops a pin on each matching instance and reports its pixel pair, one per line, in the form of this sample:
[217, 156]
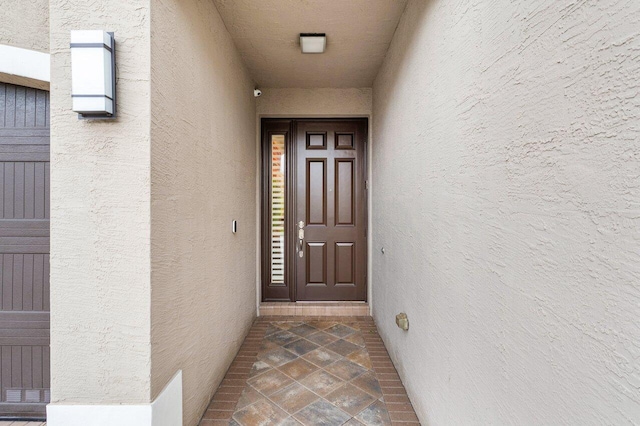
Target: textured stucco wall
[202, 177]
[314, 102]
[100, 210]
[506, 192]
[25, 24]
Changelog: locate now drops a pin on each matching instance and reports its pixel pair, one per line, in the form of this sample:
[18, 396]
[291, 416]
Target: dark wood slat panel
[24, 316]
[5, 366]
[25, 410]
[46, 291]
[41, 109]
[47, 190]
[7, 281]
[24, 251]
[24, 228]
[21, 106]
[1, 188]
[39, 194]
[39, 133]
[3, 96]
[30, 108]
[16, 364]
[18, 269]
[9, 149]
[36, 353]
[38, 282]
[47, 107]
[34, 157]
[29, 194]
[16, 145]
[7, 327]
[18, 291]
[24, 241]
[9, 196]
[27, 287]
[18, 191]
[13, 335]
[10, 104]
[46, 365]
[27, 367]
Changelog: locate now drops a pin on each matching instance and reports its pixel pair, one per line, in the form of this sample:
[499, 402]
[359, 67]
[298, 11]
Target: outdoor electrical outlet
[402, 321]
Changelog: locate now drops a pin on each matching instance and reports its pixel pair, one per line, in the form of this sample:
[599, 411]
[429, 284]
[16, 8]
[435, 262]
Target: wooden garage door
[24, 251]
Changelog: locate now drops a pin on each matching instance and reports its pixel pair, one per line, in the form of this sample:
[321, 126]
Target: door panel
[345, 192]
[316, 177]
[330, 200]
[316, 263]
[24, 251]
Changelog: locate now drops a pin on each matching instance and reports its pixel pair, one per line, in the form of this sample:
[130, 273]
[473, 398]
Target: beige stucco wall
[203, 176]
[506, 169]
[314, 102]
[25, 24]
[100, 217]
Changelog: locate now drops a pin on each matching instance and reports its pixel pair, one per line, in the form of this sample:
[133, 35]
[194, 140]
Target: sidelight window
[278, 175]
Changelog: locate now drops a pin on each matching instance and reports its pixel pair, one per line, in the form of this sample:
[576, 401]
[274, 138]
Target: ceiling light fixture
[313, 42]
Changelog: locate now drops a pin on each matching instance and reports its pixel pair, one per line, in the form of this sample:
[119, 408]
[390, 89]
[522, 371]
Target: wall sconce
[93, 74]
[313, 42]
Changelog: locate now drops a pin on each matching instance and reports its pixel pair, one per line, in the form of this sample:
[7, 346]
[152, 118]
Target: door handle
[301, 239]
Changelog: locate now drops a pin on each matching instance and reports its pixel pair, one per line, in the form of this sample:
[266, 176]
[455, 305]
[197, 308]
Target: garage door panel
[25, 188]
[24, 251]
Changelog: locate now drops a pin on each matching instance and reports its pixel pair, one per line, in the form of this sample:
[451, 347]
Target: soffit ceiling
[266, 34]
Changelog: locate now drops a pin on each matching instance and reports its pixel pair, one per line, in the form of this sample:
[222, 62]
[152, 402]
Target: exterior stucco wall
[100, 210]
[25, 24]
[506, 170]
[202, 177]
[319, 102]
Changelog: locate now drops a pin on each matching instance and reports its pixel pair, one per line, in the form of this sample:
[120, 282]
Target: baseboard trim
[165, 410]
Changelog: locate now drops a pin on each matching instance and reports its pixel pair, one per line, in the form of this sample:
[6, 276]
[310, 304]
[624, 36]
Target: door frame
[288, 127]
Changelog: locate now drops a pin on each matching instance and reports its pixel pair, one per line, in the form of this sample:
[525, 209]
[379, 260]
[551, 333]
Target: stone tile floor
[311, 371]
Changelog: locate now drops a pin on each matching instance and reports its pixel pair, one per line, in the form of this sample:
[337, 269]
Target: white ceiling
[266, 34]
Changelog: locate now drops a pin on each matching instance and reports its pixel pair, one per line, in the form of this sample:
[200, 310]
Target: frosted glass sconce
[93, 76]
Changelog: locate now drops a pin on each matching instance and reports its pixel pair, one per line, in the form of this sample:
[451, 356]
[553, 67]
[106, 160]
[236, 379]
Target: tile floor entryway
[311, 371]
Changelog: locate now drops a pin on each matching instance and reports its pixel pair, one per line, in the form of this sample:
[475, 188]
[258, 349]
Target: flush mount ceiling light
[313, 42]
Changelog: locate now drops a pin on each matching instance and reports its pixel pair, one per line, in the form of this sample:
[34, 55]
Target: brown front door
[325, 216]
[24, 251]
